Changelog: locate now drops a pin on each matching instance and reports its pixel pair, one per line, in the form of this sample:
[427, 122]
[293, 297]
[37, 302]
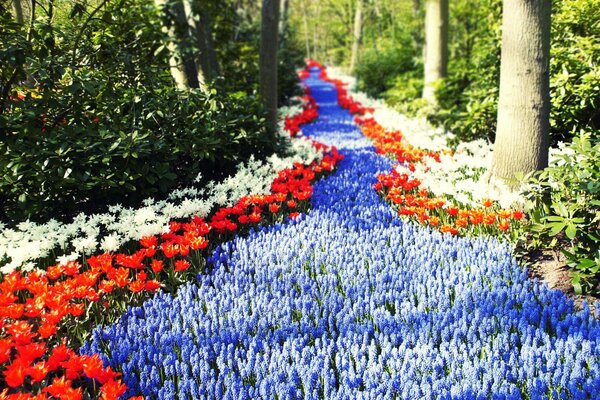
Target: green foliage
[564, 204]
[290, 58]
[381, 66]
[469, 96]
[237, 42]
[102, 122]
[575, 68]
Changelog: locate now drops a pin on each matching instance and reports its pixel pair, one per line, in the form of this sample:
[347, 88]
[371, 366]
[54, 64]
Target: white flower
[110, 243]
[65, 259]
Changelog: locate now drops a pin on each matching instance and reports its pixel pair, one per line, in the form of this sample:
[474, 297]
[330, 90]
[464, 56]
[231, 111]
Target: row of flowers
[44, 313]
[404, 188]
[29, 245]
[349, 302]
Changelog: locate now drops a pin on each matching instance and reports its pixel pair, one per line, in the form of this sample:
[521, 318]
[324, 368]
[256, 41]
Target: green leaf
[556, 228]
[571, 231]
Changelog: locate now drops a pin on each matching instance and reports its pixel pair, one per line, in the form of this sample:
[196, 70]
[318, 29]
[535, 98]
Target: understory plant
[564, 205]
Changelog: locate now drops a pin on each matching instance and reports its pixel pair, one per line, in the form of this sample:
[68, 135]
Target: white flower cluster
[26, 244]
[462, 176]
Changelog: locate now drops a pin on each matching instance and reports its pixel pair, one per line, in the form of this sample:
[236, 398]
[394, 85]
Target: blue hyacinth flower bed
[349, 302]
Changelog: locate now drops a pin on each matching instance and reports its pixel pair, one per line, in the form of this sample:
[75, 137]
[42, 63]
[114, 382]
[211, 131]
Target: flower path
[350, 302]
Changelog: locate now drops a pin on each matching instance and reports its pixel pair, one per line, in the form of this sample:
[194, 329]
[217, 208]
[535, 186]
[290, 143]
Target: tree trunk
[305, 21]
[175, 24]
[436, 46]
[18, 12]
[284, 17]
[211, 53]
[357, 38]
[268, 60]
[206, 57]
[521, 144]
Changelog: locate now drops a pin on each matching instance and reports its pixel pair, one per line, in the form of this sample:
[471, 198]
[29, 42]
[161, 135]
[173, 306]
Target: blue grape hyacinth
[349, 302]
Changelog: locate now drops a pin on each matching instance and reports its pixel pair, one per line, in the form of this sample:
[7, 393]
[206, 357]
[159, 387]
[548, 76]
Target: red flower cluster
[39, 310]
[289, 191]
[393, 143]
[420, 205]
[308, 114]
[32, 309]
[415, 202]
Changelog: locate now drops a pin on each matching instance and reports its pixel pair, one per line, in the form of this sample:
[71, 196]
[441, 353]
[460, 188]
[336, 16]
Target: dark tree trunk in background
[268, 60]
[175, 23]
[18, 11]
[211, 54]
[305, 22]
[205, 58]
[284, 17]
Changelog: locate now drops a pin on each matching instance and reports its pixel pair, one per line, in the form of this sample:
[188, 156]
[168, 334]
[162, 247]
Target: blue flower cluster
[348, 302]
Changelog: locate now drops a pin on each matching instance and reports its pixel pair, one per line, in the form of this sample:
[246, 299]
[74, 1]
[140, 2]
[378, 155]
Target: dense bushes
[146, 145]
[469, 95]
[380, 66]
[90, 116]
[564, 203]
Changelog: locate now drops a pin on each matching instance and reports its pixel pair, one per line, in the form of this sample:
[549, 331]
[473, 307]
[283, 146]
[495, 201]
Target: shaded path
[349, 302]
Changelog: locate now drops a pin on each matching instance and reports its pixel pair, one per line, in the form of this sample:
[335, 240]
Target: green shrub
[575, 68]
[103, 123]
[380, 66]
[139, 145]
[469, 96]
[564, 204]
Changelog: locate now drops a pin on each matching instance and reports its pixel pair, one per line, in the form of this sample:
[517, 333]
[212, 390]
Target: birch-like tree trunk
[175, 24]
[357, 37]
[436, 46]
[268, 60]
[521, 144]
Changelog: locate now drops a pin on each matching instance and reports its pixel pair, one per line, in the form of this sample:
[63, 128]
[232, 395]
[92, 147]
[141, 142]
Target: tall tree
[205, 57]
[522, 136]
[284, 17]
[268, 59]
[436, 46]
[305, 23]
[175, 24]
[18, 11]
[357, 37]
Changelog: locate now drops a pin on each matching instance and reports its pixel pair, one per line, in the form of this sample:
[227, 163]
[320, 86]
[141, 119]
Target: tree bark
[175, 24]
[522, 136]
[211, 54]
[284, 17]
[357, 37]
[268, 60]
[18, 12]
[205, 58]
[305, 21]
[436, 46]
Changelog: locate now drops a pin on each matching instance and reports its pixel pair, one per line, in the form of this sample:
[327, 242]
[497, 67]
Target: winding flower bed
[406, 192]
[44, 313]
[348, 301]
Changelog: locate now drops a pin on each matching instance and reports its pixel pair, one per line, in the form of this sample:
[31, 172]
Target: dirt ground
[550, 267]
